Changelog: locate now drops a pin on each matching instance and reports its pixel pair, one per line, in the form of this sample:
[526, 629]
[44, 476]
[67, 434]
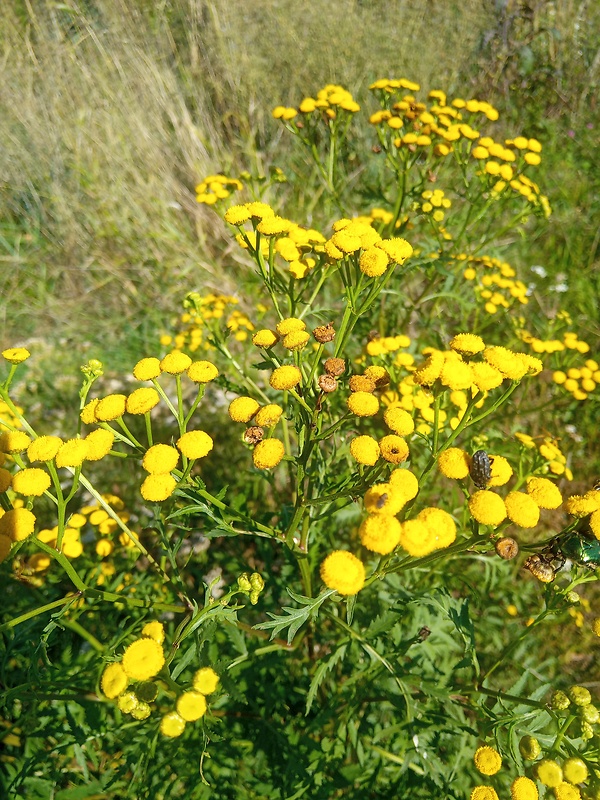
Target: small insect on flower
[481, 468]
[540, 568]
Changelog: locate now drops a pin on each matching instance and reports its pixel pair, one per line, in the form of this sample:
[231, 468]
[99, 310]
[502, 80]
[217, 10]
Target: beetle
[574, 545]
[481, 468]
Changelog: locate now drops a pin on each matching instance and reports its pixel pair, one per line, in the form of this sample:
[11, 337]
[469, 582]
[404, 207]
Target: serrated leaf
[320, 673]
[294, 618]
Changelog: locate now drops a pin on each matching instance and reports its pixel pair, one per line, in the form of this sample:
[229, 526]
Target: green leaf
[320, 673]
[294, 618]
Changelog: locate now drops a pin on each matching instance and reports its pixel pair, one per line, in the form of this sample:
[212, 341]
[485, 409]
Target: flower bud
[146, 691]
[243, 582]
[530, 748]
[335, 366]
[256, 582]
[254, 597]
[573, 598]
[579, 695]
[559, 701]
[324, 333]
[589, 713]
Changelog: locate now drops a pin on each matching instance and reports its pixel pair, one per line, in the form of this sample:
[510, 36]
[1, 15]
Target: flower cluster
[494, 281]
[359, 238]
[216, 187]
[327, 104]
[196, 323]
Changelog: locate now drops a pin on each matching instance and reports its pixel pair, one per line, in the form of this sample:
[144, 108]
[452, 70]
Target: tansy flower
[72, 453]
[242, 409]
[363, 404]
[506, 362]
[575, 770]
[441, 525]
[172, 725]
[202, 371]
[111, 407]
[158, 487]
[361, 383]
[285, 377]
[404, 481]
[237, 215]
[397, 249]
[143, 659]
[343, 572]
[268, 415]
[295, 340]
[31, 482]
[399, 421]
[273, 226]
[195, 444]
[487, 508]
[545, 493]
[485, 376]
[594, 523]
[290, 325]
[99, 444]
[456, 375]
[417, 538]
[467, 343]
[154, 630]
[141, 401]
[383, 498]
[564, 791]
[487, 760]
[160, 459]
[5, 545]
[523, 789]
[454, 463]
[205, 680]
[191, 706]
[549, 773]
[16, 355]
[365, 449]
[582, 505]
[484, 793]
[147, 369]
[175, 362]
[378, 374]
[265, 338]
[44, 448]
[501, 471]
[141, 711]
[5, 480]
[380, 533]
[428, 372]
[114, 680]
[17, 524]
[373, 262]
[268, 453]
[88, 412]
[346, 241]
[394, 448]
[14, 442]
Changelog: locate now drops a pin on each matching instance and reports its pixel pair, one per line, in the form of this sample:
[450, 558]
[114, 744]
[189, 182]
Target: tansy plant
[323, 527]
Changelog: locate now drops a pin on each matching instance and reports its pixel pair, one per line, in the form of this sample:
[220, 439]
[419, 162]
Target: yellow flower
[397, 249]
[545, 493]
[268, 416]
[564, 791]
[5, 480]
[237, 215]
[114, 680]
[147, 369]
[343, 572]
[273, 226]
[523, 789]
[484, 793]
[160, 459]
[141, 711]
[191, 706]
[202, 371]
[404, 481]
[296, 340]
[373, 262]
[175, 362]
[143, 659]
[487, 760]
[205, 680]
[260, 210]
[441, 525]
[72, 453]
[15, 355]
[399, 420]
[141, 401]
[506, 362]
[454, 463]
[595, 523]
[285, 377]
[380, 533]
[195, 444]
[154, 630]
[394, 449]
[88, 412]
[575, 770]
[14, 442]
[485, 376]
[363, 404]
[365, 449]
[501, 471]
[361, 383]
[582, 505]
[99, 444]
[110, 407]
[417, 538]
[428, 372]
[549, 773]
[17, 524]
[158, 487]
[44, 448]
[31, 482]
[268, 453]
[456, 375]
[172, 725]
[127, 702]
[383, 498]
[265, 338]
[290, 325]
[487, 508]
[242, 409]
